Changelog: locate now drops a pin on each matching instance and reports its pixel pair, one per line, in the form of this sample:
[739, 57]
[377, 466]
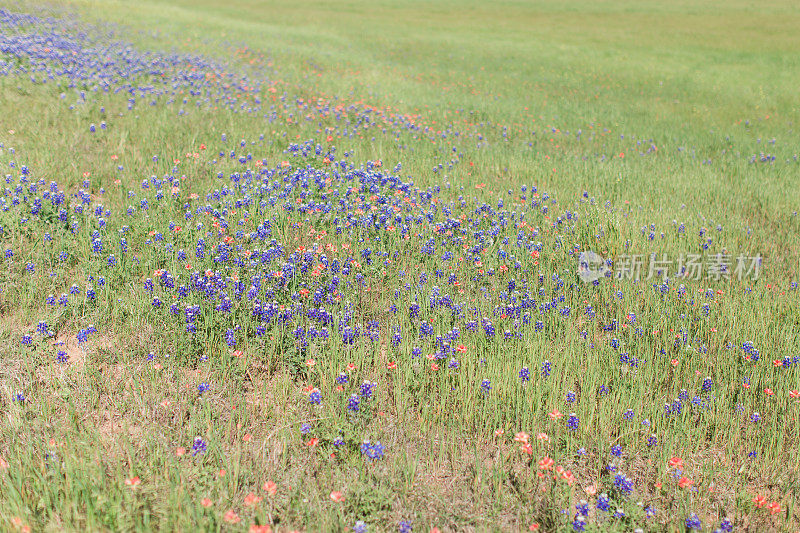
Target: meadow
[399, 266]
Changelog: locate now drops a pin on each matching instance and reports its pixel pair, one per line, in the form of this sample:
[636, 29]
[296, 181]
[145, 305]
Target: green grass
[708, 85]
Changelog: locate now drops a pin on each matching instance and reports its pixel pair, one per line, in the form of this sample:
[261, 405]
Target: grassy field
[317, 267]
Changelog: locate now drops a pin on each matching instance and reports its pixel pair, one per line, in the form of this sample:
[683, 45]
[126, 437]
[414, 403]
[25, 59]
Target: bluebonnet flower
[315, 397]
[230, 338]
[693, 522]
[372, 451]
[397, 337]
[486, 385]
[203, 387]
[582, 508]
[354, 402]
[366, 388]
[525, 374]
[675, 407]
[603, 502]
[199, 446]
[572, 422]
[623, 483]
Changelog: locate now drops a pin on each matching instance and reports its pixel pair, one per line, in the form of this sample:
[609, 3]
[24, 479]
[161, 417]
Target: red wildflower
[270, 488]
[231, 517]
[545, 463]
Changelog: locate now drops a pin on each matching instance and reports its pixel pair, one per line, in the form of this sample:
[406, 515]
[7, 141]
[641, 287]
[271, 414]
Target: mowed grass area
[259, 310]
